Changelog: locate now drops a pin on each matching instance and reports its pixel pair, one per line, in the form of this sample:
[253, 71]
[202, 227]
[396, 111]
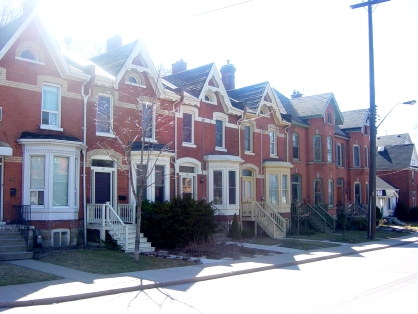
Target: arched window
[317, 147]
[29, 54]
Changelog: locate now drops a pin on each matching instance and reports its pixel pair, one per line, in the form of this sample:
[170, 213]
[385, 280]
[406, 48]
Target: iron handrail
[21, 218]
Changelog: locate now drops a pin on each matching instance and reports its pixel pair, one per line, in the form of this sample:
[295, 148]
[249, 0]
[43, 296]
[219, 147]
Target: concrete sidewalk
[78, 285]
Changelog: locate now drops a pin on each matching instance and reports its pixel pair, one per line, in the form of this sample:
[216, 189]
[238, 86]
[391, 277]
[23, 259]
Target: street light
[372, 172]
[410, 102]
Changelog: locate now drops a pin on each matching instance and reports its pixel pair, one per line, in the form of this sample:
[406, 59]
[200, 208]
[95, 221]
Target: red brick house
[250, 150]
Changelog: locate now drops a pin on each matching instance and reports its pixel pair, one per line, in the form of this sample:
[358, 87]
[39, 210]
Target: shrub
[379, 214]
[235, 231]
[342, 221]
[359, 223]
[177, 223]
[413, 214]
[402, 212]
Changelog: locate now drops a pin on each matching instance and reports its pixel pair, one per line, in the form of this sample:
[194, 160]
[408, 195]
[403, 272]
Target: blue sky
[312, 46]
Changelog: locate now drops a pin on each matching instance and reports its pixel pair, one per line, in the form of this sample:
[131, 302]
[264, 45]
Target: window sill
[105, 134]
[51, 127]
[29, 60]
[220, 149]
[189, 145]
[249, 153]
[274, 156]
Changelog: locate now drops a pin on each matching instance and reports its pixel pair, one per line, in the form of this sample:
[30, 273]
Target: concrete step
[12, 248]
[10, 256]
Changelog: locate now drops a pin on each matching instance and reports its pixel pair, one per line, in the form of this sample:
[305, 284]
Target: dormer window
[133, 80]
[29, 54]
[209, 97]
[329, 118]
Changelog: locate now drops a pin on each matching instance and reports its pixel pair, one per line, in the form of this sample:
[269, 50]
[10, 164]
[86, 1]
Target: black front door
[102, 187]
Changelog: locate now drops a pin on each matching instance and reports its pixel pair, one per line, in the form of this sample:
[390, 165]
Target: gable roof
[355, 119]
[395, 139]
[191, 81]
[383, 185]
[394, 157]
[7, 31]
[290, 110]
[251, 96]
[114, 60]
[314, 106]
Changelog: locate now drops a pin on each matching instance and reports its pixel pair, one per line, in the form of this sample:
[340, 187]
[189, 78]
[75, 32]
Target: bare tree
[9, 10]
[300, 214]
[133, 130]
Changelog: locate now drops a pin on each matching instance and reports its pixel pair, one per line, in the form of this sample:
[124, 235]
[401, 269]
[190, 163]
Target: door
[340, 191]
[247, 190]
[102, 187]
[357, 193]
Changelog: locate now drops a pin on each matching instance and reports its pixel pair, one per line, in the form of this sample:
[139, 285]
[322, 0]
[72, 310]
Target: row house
[71, 127]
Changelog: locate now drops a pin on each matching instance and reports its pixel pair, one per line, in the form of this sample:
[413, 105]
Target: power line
[218, 9]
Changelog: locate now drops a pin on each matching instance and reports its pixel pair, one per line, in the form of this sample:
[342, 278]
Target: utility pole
[373, 129]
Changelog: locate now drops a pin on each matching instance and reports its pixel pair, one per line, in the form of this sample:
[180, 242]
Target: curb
[75, 297]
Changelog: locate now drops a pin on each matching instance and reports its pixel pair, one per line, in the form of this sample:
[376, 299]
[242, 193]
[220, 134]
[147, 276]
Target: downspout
[261, 163]
[239, 123]
[176, 110]
[91, 69]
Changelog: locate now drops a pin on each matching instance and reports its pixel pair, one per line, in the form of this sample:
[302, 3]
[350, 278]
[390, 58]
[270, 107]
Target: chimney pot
[228, 75]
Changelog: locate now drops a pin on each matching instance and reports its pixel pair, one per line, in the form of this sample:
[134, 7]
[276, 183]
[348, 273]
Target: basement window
[60, 237]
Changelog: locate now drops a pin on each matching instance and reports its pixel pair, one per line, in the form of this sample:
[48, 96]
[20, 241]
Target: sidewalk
[78, 285]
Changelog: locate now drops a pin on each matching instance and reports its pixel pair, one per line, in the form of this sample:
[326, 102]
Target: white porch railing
[96, 213]
[267, 217]
[118, 226]
[126, 212]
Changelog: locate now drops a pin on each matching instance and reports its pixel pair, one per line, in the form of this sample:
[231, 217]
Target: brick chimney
[296, 94]
[179, 66]
[113, 42]
[228, 75]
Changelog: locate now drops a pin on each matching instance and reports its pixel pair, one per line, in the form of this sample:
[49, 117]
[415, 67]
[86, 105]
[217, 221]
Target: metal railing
[315, 218]
[329, 220]
[222, 219]
[21, 218]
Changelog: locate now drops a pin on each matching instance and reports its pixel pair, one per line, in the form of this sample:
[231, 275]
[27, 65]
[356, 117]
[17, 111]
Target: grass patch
[351, 236]
[290, 243]
[15, 275]
[105, 262]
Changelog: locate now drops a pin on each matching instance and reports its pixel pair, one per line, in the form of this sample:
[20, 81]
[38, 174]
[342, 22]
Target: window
[273, 189]
[37, 180]
[104, 115]
[147, 121]
[295, 142]
[329, 149]
[232, 187]
[247, 138]
[187, 127]
[285, 189]
[133, 80]
[318, 191]
[273, 145]
[357, 193]
[366, 156]
[217, 187]
[29, 54]
[159, 184]
[60, 237]
[329, 117]
[330, 192]
[60, 181]
[317, 147]
[356, 156]
[413, 176]
[187, 174]
[141, 180]
[51, 106]
[339, 155]
[219, 133]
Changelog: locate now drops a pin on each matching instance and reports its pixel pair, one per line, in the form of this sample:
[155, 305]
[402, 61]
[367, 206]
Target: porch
[120, 223]
[266, 217]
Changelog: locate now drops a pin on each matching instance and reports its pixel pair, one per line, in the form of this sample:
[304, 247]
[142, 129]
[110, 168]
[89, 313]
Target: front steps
[12, 244]
[144, 245]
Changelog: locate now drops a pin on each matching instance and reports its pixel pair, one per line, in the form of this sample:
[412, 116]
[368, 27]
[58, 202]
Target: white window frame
[295, 136]
[225, 188]
[60, 231]
[151, 179]
[329, 148]
[102, 133]
[250, 139]
[356, 158]
[273, 144]
[319, 137]
[49, 126]
[191, 128]
[222, 147]
[331, 192]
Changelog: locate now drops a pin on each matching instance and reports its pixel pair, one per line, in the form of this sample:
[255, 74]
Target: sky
[311, 46]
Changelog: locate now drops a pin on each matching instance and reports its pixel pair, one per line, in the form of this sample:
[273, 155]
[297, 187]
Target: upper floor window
[273, 146]
[147, 121]
[317, 147]
[329, 149]
[133, 80]
[104, 115]
[220, 133]
[247, 138]
[366, 156]
[51, 106]
[295, 143]
[413, 176]
[339, 154]
[329, 117]
[356, 156]
[29, 54]
[187, 127]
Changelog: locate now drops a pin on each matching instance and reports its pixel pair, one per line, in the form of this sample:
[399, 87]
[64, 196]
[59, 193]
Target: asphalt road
[383, 281]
